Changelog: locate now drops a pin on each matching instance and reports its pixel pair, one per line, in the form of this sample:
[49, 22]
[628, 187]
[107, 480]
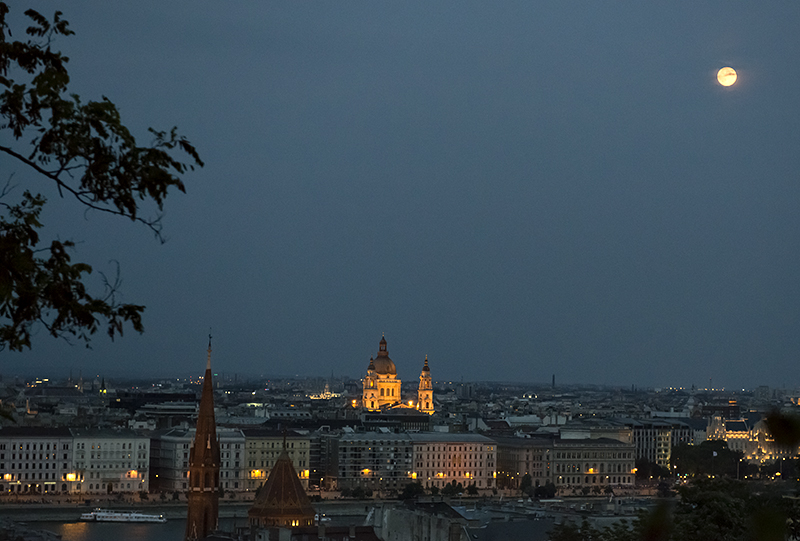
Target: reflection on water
[172, 530]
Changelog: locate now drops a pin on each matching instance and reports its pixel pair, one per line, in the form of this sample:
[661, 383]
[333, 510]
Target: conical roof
[282, 501]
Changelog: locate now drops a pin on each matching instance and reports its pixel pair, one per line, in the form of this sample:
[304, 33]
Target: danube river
[172, 530]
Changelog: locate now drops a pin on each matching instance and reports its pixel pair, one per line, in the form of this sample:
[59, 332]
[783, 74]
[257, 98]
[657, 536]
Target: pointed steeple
[208, 362]
[206, 424]
[203, 495]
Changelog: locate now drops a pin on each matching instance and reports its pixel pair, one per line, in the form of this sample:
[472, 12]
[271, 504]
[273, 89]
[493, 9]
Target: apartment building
[518, 457]
[264, 446]
[108, 461]
[601, 462]
[442, 458]
[69, 460]
[37, 460]
[170, 459]
[375, 460]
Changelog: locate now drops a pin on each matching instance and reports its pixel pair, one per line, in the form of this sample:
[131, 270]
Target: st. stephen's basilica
[382, 386]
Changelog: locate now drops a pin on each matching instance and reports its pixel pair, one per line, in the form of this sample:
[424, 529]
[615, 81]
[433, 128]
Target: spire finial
[208, 363]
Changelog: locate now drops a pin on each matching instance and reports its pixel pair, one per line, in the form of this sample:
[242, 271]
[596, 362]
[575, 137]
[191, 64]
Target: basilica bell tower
[425, 396]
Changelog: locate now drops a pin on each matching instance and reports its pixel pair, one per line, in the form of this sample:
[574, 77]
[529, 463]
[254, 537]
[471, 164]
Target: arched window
[381, 392]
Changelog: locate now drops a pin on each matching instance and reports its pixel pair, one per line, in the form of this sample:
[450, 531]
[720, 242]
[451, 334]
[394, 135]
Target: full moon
[726, 76]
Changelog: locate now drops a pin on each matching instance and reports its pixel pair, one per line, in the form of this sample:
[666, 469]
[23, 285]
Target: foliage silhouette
[86, 151]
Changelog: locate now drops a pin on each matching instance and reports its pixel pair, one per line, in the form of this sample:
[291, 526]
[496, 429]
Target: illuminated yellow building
[425, 393]
[756, 443]
[381, 384]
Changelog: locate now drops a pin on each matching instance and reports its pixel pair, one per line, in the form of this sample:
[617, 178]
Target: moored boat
[102, 515]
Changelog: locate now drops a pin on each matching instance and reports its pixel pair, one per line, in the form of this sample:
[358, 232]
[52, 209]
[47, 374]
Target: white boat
[101, 515]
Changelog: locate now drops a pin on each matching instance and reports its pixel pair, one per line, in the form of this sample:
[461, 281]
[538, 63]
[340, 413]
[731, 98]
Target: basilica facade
[381, 386]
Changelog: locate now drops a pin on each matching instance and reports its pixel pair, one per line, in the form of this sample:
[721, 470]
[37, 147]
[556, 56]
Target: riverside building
[75, 461]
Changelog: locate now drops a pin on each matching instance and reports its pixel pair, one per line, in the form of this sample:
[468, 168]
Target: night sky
[516, 189]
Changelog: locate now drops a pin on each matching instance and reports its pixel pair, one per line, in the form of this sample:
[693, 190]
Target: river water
[172, 530]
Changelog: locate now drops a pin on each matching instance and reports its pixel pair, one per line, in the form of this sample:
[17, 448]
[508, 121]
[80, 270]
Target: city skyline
[514, 191]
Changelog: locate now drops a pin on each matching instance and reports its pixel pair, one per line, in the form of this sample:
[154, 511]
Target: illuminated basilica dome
[383, 364]
[381, 384]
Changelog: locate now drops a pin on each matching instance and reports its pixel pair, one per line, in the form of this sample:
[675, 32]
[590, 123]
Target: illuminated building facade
[754, 442]
[568, 463]
[425, 392]
[389, 461]
[381, 386]
[763, 448]
[440, 459]
[653, 438]
[74, 461]
[34, 459]
[593, 463]
[111, 461]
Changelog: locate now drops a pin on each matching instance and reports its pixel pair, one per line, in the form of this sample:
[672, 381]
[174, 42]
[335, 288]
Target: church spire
[203, 495]
[208, 363]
